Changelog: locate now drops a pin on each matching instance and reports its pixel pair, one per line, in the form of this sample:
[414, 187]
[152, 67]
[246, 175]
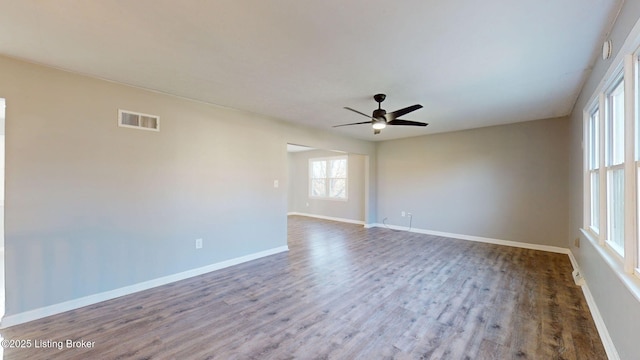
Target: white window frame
[631, 244]
[609, 165]
[592, 166]
[328, 161]
[632, 160]
[625, 67]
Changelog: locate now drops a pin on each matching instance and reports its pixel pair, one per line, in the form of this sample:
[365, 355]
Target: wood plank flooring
[343, 292]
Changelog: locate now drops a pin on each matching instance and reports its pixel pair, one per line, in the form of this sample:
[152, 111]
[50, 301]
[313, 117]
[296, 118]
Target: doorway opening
[313, 196]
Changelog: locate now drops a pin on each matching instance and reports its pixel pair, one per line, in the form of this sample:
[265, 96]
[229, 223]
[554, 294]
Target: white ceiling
[470, 63]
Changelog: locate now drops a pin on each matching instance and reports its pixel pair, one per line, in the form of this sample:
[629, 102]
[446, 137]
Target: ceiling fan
[380, 118]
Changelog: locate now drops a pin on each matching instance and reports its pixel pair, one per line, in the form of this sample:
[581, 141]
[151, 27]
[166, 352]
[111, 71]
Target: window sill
[615, 250]
[630, 281]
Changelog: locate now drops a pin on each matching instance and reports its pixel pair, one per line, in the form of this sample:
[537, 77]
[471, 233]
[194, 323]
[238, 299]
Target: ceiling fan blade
[358, 123]
[358, 112]
[406, 122]
[396, 114]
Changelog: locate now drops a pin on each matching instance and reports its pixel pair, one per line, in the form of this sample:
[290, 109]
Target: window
[611, 180]
[328, 178]
[614, 162]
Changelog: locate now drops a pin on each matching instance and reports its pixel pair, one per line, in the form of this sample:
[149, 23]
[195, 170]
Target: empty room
[320, 180]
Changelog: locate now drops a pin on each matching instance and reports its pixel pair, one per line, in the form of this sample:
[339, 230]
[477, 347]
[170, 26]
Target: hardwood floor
[343, 292]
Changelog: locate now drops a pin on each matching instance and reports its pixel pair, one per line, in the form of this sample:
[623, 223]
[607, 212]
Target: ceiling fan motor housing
[379, 113]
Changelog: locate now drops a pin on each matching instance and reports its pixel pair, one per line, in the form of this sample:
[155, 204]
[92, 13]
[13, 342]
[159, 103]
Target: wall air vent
[137, 120]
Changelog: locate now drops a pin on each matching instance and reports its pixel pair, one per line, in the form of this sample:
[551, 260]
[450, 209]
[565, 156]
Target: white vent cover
[138, 120]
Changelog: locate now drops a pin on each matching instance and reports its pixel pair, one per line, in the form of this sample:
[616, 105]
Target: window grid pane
[615, 207]
[318, 187]
[338, 188]
[319, 169]
[338, 168]
[594, 149]
[595, 200]
[615, 126]
[638, 212]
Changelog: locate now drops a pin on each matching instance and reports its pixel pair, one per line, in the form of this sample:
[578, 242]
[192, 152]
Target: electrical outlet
[576, 242]
[403, 214]
[276, 184]
[198, 243]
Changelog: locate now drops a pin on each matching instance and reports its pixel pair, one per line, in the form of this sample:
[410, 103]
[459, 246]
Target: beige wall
[91, 207]
[506, 182]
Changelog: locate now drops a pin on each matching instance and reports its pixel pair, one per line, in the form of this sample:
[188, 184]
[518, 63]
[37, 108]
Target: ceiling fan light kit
[379, 125]
[380, 118]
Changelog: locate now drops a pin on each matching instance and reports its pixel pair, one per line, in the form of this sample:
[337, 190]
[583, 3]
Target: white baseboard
[574, 262]
[358, 222]
[609, 347]
[31, 315]
[548, 248]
